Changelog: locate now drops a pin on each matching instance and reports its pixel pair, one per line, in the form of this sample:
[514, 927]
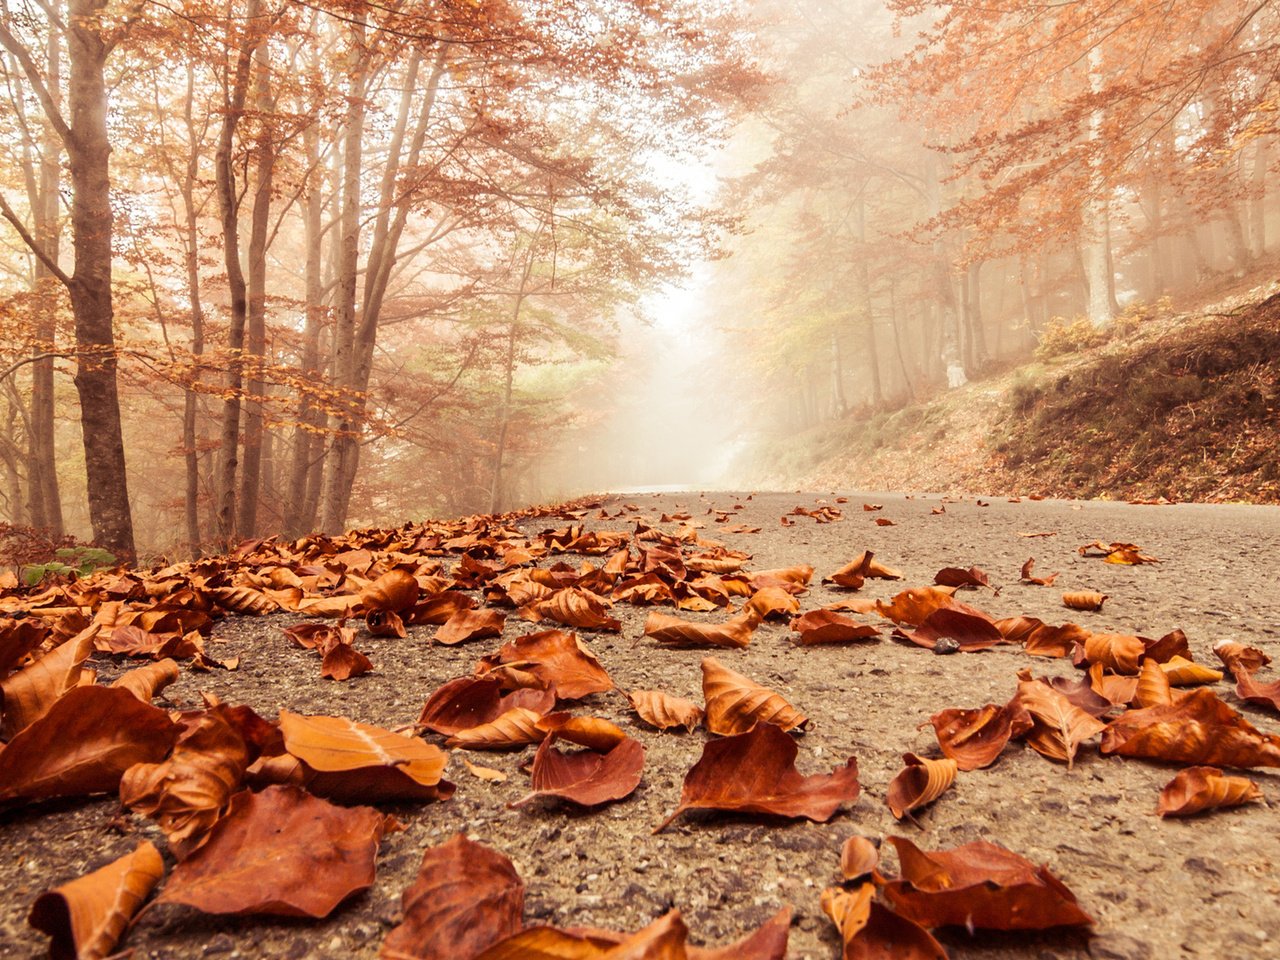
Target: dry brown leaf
[395, 590]
[588, 778]
[88, 916]
[488, 774]
[84, 744]
[773, 602]
[353, 759]
[869, 931]
[911, 607]
[1244, 662]
[735, 632]
[1128, 554]
[959, 577]
[574, 607]
[1084, 600]
[919, 783]
[1040, 639]
[471, 625]
[1025, 575]
[755, 772]
[30, 693]
[858, 857]
[466, 702]
[281, 852]
[516, 727]
[558, 659]
[735, 704]
[145, 682]
[187, 792]
[465, 898]
[1198, 729]
[975, 738]
[979, 885]
[827, 626]
[342, 661]
[1118, 652]
[1204, 788]
[592, 732]
[1059, 726]
[664, 711]
[1185, 673]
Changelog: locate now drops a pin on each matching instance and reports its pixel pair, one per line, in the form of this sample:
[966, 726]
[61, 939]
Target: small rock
[1202, 865]
[1119, 946]
[946, 645]
[218, 944]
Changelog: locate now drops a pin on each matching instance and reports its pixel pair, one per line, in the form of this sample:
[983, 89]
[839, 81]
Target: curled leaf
[1084, 600]
[466, 702]
[1244, 662]
[827, 626]
[586, 777]
[1118, 652]
[145, 682]
[735, 703]
[88, 916]
[1025, 575]
[858, 857]
[735, 632]
[1058, 725]
[395, 590]
[516, 727]
[1198, 729]
[592, 732]
[1204, 788]
[471, 625]
[975, 738]
[919, 783]
[1185, 673]
[664, 711]
[869, 931]
[558, 659]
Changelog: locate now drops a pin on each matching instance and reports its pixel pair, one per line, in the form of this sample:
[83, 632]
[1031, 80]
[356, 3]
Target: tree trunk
[1258, 200]
[89, 152]
[265, 148]
[229, 209]
[46, 500]
[191, 396]
[1094, 254]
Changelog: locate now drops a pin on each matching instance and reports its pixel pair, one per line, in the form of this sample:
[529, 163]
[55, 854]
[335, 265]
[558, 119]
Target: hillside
[1183, 407]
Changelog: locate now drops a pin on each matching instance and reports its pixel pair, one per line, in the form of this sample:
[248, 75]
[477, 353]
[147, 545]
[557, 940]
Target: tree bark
[89, 152]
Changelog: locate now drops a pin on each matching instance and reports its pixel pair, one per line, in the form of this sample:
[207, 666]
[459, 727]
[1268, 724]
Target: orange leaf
[467, 702]
[281, 852]
[1059, 726]
[465, 898]
[578, 608]
[980, 885]
[558, 659]
[592, 732]
[1118, 652]
[395, 590]
[911, 607]
[919, 783]
[88, 916]
[1025, 575]
[872, 932]
[1244, 662]
[471, 625]
[827, 626]
[675, 632]
[342, 661]
[30, 693]
[586, 777]
[858, 857]
[145, 682]
[975, 738]
[1199, 729]
[773, 601]
[516, 727]
[755, 772]
[664, 711]
[1204, 788]
[1084, 600]
[84, 744]
[735, 704]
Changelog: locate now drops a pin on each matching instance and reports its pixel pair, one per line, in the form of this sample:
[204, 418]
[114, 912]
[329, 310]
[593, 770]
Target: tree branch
[32, 243]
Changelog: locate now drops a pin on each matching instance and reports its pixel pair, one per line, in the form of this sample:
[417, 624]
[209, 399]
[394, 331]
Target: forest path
[1205, 886]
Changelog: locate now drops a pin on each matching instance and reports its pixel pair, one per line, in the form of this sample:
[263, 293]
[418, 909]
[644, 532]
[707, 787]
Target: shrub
[1061, 336]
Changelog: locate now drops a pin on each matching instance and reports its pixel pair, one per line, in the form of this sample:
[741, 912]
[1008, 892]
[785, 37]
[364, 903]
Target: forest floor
[1208, 886]
[1183, 406]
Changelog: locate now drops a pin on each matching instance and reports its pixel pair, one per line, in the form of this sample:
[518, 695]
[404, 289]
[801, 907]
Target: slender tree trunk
[191, 395]
[89, 152]
[509, 376]
[265, 149]
[345, 449]
[895, 322]
[46, 499]
[1258, 200]
[1094, 254]
[229, 209]
[979, 357]
[865, 314]
[306, 435]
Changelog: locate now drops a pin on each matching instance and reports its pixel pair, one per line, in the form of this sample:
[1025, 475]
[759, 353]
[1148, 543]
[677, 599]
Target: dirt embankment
[1184, 407]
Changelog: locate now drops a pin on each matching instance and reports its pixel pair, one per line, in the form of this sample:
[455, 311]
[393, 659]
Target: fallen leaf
[735, 632]
[1244, 662]
[975, 738]
[359, 760]
[735, 704]
[919, 783]
[858, 857]
[884, 522]
[1040, 639]
[145, 682]
[1084, 600]
[861, 568]
[869, 931]
[755, 772]
[1118, 652]
[979, 885]
[1129, 554]
[484, 773]
[342, 661]
[773, 602]
[827, 626]
[395, 590]
[31, 692]
[187, 792]
[88, 916]
[516, 727]
[911, 607]
[84, 744]
[588, 778]
[1059, 727]
[1198, 729]
[792, 579]
[971, 629]
[1186, 673]
[1026, 577]
[281, 852]
[592, 732]
[465, 898]
[958, 577]
[1204, 788]
[578, 608]
[466, 702]
[470, 625]
[560, 660]
[664, 711]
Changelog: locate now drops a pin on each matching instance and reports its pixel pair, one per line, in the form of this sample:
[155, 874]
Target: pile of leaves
[279, 815]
